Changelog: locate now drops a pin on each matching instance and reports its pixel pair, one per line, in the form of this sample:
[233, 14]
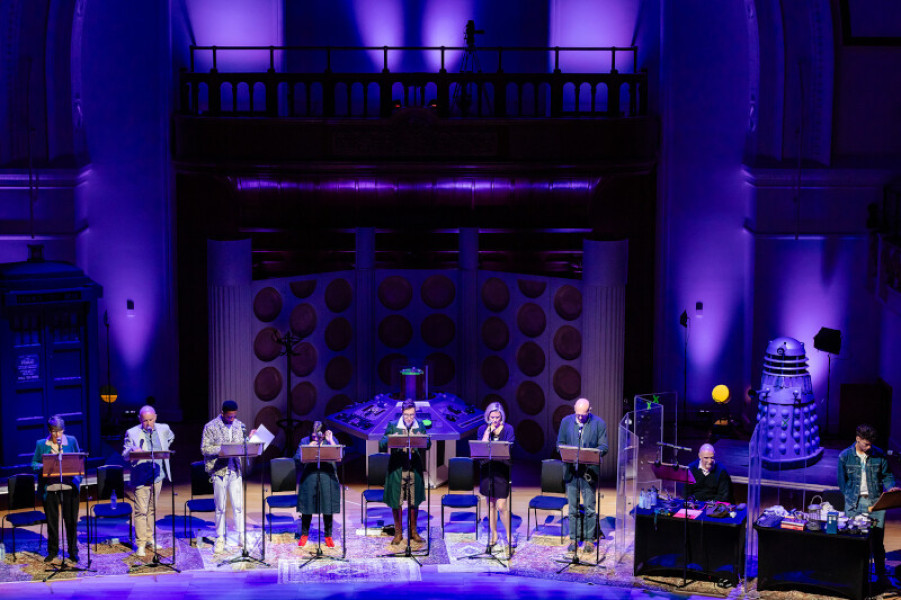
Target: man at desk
[862, 492]
[586, 431]
[712, 482]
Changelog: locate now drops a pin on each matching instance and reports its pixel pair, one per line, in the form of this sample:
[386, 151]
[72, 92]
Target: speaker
[828, 340]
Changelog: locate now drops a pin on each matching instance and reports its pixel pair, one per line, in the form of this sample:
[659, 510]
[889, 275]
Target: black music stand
[491, 451]
[63, 467]
[243, 450]
[576, 455]
[316, 453]
[410, 442]
[154, 455]
[679, 474]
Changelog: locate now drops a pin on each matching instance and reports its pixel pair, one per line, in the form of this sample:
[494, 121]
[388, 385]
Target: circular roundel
[530, 436]
[495, 334]
[560, 412]
[303, 398]
[437, 330]
[530, 319]
[338, 372]
[531, 289]
[567, 382]
[387, 366]
[568, 302]
[337, 403]
[492, 398]
[338, 295]
[495, 372]
[303, 320]
[303, 289]
[395, 331]
[568, 342]
[441, 368]
[268, 416]
[395, 292]
[338, 334]
[264, 345]
[530, 359]
[267, 304]
[267, 384]
[438, 291]
[530, 397]
[495, 294]
[304, 359]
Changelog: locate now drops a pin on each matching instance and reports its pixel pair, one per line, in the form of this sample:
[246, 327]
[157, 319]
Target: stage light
[109, 394]
[721, 394]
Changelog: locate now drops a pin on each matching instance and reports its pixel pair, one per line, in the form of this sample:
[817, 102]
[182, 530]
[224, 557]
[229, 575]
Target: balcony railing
[467, 93]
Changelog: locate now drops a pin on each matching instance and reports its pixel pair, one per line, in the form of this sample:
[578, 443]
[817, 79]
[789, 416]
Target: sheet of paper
[692, 514]
[262, 435]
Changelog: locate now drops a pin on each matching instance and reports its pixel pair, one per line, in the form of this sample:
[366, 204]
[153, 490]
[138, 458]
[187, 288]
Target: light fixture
[721, 394]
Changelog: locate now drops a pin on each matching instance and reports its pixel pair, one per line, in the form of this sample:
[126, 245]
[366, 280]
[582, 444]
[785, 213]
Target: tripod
[319, 555]
[155, 561]
[245, 554]
[71, 466]
[463, 96]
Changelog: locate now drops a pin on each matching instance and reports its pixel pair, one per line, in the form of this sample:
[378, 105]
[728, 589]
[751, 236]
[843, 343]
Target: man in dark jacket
[712, 482]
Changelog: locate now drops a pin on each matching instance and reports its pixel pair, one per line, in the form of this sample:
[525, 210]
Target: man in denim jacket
[862, 492]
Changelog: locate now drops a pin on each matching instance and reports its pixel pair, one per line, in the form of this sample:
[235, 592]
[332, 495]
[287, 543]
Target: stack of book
[792, 523]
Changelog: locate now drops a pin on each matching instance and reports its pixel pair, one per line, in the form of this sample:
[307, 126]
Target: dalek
[786, 408]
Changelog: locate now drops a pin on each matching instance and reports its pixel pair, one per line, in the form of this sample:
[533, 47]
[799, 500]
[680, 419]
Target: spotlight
[721, 394]
[828, 340]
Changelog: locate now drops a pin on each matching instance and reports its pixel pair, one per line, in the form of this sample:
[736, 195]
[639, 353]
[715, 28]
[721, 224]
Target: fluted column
[469, 314]
[605, 265]
[364, 299]
[229, 278]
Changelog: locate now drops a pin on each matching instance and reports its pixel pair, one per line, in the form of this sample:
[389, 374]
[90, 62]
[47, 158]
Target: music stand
[316, 453]
[410, 442]
[577, 456]
[61, 467]
[679, 474]
[490, 451]
[154, 455]
[243, 450]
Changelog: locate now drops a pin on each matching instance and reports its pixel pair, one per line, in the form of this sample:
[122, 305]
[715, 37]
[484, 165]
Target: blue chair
[460, 478]
[377, 472]
[111, 478]
[552, 472]
[201, 485]
[282, 478]
[22, 495]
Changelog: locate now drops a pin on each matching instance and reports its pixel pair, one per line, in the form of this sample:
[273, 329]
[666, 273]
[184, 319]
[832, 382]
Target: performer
[55, 493]
[862, 492]
[712, 482]
[148, 434]
[588, 431]
[494, 476]
[318, 482]
[403, 471]
[225, 472]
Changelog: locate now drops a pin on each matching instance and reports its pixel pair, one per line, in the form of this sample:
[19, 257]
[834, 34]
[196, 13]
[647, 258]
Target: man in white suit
[148, 434]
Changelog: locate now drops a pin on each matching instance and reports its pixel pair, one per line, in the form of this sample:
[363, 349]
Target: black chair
[201, 485]
[552, 472]
[377, 473]
[460, 478]
[282, 478]
[111, 478]
[22, 495]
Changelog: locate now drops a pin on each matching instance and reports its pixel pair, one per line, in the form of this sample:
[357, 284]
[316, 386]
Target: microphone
[674, 447]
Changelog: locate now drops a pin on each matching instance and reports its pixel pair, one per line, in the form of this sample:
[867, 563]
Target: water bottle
[112, 500]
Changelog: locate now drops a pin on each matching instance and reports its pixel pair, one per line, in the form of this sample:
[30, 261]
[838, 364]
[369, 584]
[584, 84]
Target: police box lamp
[828, 340]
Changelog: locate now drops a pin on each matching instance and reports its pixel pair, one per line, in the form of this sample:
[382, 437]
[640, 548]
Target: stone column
[229, 278]
[605, 265]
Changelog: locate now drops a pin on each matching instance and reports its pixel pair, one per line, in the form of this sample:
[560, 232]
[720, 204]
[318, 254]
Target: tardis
[48, 356]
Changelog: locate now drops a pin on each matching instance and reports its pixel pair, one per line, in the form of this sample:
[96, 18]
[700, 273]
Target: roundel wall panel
[415, 324]
[526, 343]
[318, 311]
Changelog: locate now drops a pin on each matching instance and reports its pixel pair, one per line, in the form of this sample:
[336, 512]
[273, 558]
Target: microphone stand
[319, 553]
[155, 561]
[245, 555]
[487, 553]
[64, 567]
[408, 496]
[575, 561]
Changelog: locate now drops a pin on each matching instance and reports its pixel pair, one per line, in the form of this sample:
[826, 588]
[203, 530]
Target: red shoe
[302, 541]
[329, 541]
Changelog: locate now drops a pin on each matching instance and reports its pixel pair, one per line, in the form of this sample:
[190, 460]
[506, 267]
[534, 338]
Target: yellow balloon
[720, 394]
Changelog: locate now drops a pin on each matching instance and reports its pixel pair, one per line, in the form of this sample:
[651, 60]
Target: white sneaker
[219, 548]
[140, 552]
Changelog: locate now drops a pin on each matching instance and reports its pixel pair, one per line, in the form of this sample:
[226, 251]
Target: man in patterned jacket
[225, 473]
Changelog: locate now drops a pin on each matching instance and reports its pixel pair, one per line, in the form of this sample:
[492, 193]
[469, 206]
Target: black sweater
[716, 486]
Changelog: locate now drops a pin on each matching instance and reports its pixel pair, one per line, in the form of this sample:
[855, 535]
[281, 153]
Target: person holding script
[405, 469]
[494, 476]
[582, 430]
[318, 491]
